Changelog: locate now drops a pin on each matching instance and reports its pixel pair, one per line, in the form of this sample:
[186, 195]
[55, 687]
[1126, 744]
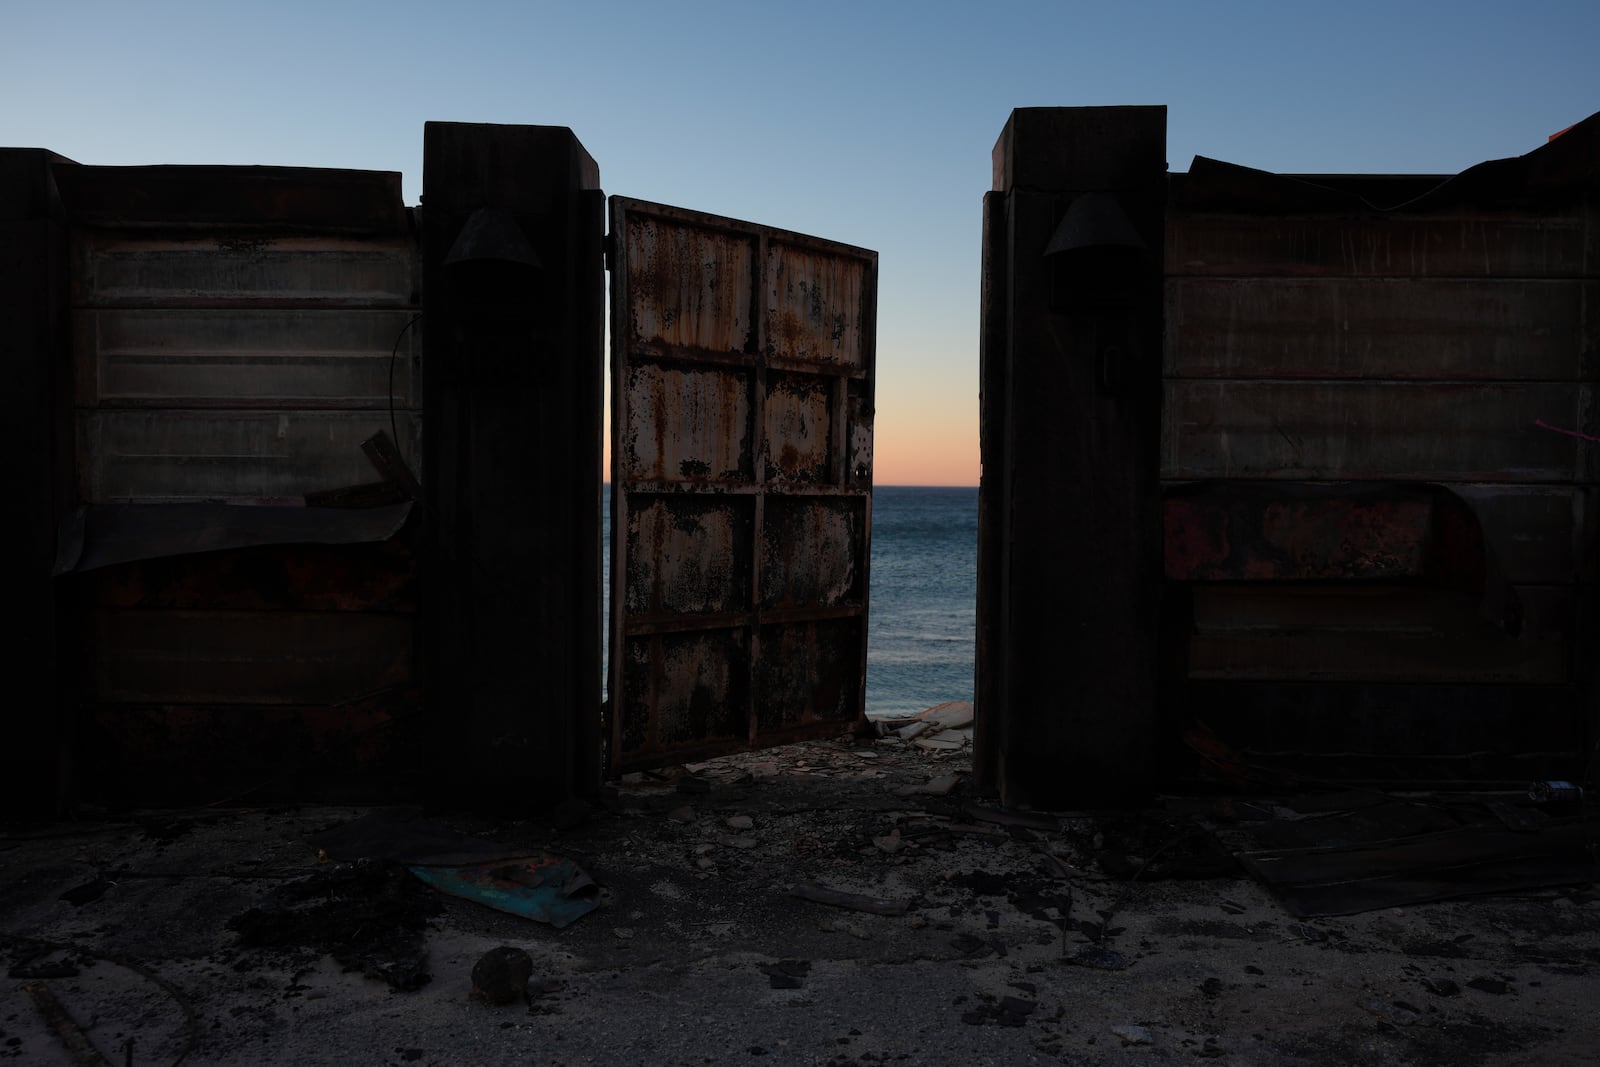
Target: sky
[863, 122]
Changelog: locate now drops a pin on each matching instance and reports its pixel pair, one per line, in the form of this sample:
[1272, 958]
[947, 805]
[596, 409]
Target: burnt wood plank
[1546, 611]
[1378, 654]
[342, 578]
[1368, 430]
[360, 751]
[1479, 727]
[246, 358]
[210, 454]
[1406, 328]
[119, 268]
[282, 199]
[1504, 245]
[247, 657]
[1539, 534]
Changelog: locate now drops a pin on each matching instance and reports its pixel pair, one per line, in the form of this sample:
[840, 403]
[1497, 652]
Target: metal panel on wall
[237, 362]
[741, 431]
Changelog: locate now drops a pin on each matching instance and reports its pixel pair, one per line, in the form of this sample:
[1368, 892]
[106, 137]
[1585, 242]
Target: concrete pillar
[36, 458]
[512, 319]
[1069, 503]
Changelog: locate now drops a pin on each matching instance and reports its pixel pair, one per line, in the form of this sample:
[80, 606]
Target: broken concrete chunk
[728, 841]
[1133, 1035]
[741, 822]
[501, 975]
[890, 842]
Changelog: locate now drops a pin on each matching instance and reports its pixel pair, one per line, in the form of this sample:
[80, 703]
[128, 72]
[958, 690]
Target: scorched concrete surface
[123, 939]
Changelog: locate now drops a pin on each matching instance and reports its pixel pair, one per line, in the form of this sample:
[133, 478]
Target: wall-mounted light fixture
[1095, 243]
[1099, 267]
[492, 233]
[491, 265]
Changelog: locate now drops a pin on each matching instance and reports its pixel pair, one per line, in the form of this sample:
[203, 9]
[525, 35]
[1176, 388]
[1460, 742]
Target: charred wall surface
[1375, 457]
[241, 580]
[1395, 344]
[217, 590]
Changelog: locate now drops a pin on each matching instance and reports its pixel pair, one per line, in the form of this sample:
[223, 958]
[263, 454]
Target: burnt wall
[1364, 331]
[236, 335]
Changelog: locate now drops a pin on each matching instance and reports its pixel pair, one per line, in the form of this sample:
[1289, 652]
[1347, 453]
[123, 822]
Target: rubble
[1133, 1035]
[370, 917]
[1081, 915]
[501, 975]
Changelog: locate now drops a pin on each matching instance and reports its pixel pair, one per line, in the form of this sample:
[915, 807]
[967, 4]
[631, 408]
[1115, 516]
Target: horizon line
[891, 485]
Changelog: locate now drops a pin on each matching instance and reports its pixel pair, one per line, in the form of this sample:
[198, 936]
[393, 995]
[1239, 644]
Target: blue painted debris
[546, 889]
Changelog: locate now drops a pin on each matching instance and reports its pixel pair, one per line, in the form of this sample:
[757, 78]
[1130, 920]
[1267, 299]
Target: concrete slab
[1016, 947]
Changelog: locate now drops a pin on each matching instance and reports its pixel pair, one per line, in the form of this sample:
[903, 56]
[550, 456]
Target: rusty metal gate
[742, 380]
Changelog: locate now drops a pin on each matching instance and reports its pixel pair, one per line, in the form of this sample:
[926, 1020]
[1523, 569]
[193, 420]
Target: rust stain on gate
[742, 371]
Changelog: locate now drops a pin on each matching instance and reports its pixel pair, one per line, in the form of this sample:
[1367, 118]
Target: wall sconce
[1099, 269]
[1095, 246]
[492, 266]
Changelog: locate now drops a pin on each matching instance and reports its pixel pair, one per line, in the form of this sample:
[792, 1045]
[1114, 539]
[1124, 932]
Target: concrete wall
[237, 333]
[1379, 391]
[1315, 334]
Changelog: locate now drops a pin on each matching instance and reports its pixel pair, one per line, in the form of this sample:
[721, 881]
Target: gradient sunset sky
[863, 122]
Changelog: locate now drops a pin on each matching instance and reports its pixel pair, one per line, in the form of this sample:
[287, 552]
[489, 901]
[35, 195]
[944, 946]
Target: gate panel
[742, 383]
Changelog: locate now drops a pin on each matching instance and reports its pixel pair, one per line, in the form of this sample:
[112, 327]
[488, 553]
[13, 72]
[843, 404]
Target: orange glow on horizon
[933, 460]
[925, 433]
[937, 452]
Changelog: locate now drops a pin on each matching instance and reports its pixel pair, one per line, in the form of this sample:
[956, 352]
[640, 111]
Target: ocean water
[921, 621]
[922, 617]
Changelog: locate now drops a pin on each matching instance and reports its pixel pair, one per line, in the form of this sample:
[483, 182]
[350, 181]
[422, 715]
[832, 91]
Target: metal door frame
[835, 497]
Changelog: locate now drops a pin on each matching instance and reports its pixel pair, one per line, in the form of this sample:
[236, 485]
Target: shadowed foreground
[1014, 945]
